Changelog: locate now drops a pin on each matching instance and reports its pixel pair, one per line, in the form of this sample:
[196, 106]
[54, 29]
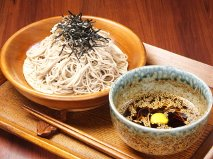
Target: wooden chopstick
[80, 135]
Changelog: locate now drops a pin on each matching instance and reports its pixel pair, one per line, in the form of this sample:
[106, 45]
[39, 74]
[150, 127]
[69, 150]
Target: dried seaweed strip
[79, 34]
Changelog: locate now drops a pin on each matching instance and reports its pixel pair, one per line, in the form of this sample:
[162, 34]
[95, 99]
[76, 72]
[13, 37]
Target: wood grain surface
[181, 26]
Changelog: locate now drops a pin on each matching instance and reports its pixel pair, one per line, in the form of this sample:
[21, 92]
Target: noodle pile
[51, 67]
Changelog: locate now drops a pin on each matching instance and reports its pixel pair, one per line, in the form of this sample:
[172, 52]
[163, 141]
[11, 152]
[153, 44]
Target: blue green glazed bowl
[163, 79]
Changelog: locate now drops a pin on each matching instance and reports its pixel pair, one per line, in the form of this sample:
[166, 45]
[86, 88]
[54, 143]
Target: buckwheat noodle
[49, 70]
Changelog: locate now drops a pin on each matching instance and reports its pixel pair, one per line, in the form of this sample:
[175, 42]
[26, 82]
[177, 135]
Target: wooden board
[95, 122]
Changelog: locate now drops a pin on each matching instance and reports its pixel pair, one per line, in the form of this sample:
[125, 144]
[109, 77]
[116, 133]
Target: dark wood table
[181, 26]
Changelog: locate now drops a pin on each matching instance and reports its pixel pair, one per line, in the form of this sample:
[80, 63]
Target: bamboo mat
[95, 122]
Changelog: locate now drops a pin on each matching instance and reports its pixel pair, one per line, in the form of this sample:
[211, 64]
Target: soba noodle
[49, 70]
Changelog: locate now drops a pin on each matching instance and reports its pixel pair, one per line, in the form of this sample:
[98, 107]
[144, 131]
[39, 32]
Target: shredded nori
[79, 34]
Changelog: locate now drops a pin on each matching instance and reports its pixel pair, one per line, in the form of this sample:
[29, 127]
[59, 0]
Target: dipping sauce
[161, 110]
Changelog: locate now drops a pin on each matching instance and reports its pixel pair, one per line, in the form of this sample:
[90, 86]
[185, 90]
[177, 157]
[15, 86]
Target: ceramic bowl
[160, 79]
[13, 55]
